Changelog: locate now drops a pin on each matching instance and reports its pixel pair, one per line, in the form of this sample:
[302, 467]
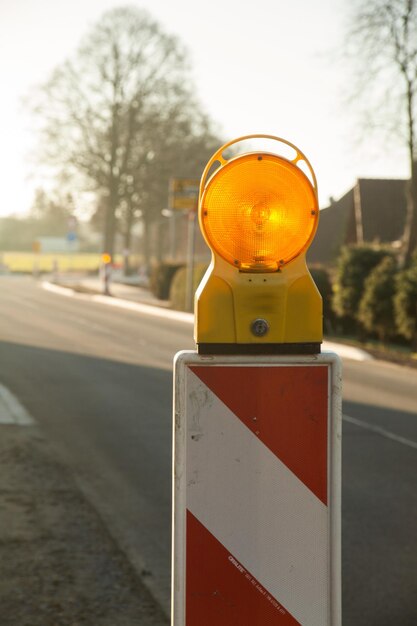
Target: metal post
[189, 292]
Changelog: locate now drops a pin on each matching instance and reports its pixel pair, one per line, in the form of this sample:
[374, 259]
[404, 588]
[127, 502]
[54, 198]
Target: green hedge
[161, 278]
[178, 286]
[323, 282]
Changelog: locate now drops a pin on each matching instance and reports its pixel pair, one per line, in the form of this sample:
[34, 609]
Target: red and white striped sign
[256, 491]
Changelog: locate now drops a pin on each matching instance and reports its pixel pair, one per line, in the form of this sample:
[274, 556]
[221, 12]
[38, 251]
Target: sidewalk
[142, 295]
[118, 289]
[58, 564]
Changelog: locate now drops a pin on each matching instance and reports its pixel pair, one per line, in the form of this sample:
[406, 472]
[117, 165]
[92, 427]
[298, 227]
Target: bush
[353, 267]
[179, 286]
[161, 278]
[376, 308]
[405, 304]
[322, 279]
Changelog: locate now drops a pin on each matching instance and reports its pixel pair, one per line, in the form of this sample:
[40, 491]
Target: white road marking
[11, 411]
[381, 431]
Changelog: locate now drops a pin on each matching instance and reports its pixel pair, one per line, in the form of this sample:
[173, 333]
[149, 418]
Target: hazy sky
[259, 67]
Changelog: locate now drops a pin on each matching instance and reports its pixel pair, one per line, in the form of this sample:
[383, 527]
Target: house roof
[373, 210]
[383, 208]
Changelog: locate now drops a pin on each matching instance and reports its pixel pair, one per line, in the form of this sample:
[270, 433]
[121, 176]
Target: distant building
[57, 244]
[374, 210]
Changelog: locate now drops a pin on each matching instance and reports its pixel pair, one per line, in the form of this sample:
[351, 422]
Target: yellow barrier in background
[55, 262]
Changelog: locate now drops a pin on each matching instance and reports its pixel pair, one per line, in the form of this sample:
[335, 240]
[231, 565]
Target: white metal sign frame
[198, 494]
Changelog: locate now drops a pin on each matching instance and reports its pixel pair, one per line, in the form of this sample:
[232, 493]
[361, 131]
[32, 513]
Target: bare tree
[176, 143]
[383, 37]
[53, 210]
[102, 111]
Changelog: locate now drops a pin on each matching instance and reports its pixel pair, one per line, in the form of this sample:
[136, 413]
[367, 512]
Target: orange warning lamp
[258, 213]
[271, 213]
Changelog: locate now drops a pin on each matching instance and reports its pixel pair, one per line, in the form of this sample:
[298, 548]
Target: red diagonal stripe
[220, 591]
[286, 407]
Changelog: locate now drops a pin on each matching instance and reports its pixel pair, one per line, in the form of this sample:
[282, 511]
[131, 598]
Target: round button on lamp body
[259, 212]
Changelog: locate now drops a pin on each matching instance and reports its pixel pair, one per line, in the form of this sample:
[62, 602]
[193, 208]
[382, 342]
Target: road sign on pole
[257, 415]
[257, 490]
[189, 287]
[183, 194]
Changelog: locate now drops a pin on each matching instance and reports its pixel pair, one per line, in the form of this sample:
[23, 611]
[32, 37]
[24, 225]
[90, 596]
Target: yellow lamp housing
[258, 213]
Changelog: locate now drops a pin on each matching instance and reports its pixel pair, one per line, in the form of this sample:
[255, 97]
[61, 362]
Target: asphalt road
[99, 383]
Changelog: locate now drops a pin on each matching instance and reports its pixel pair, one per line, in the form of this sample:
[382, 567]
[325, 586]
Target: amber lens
[259, 212]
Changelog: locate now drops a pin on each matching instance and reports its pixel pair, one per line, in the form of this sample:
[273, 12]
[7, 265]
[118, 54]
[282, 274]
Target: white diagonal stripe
[256, 507]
